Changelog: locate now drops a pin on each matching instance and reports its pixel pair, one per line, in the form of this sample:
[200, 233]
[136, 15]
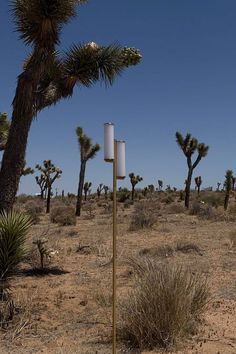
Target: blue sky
[186, 82]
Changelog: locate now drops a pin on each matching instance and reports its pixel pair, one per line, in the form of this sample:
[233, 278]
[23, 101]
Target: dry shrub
[161, 251]
[213, 199]
[34, 208]
[188, 247]
[204, 211]
[144, 216]
[175, 209]
[63, 216]
[165, 304]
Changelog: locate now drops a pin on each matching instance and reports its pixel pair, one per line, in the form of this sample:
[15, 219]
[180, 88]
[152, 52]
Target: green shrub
[63, 216]
[34, 208]
[163, 306]
[13, 232]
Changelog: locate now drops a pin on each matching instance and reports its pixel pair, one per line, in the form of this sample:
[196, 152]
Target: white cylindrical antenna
[109, 142]
[120, 169]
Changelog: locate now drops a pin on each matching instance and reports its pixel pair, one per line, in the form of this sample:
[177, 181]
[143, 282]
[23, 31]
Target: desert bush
[213, 199]
[161, 251]
[123, 194]
[175, 209]
[23, 198]
[188, 247]
[143, 216]
[13, 233]
[164, 305]
[128, 203]
[63, 216]
[34, 208]
[167, 199]
[204, 211]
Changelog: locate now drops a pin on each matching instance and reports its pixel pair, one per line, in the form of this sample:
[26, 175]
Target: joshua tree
[4, 130]
[41, 181]
[228, 187]
[106, 189]
[87, 186]
[160, 184]
[189, 145]
[50, 173]
[218, 186]
[47, 76]
[27, 170]
[134, 180]
[198, 182]
[151, 188]
[87, 151]
[100, 189]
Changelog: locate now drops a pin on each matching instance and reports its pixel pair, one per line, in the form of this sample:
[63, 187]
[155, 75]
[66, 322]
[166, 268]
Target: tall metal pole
[114, 249]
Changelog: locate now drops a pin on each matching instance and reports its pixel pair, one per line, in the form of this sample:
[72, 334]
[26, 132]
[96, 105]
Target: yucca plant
[160, 184]
[87, 151]
[189, 145]
[134, 180]
[13, 233]
[49, 76]
[100, 189]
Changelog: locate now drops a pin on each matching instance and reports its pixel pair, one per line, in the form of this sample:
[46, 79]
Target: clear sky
[186, 82]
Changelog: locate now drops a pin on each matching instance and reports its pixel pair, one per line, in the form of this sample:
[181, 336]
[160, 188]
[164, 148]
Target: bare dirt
[69, 310]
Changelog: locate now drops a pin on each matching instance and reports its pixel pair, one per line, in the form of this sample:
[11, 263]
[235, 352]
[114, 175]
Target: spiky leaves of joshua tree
[13, 232]
[87, 187]
[100, 189]
[189, 145]
[134, 180]
[87, 151]
[228, 187]
[218, 186]
[160, 184]
[47, 76]
[198, 182]
[50, 173]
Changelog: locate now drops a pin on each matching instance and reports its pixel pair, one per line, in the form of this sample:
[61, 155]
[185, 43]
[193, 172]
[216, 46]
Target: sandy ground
[70, 311]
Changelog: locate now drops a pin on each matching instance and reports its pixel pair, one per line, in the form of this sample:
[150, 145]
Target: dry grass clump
[63, 215]
[204, 211]
[175, 208]
[161, 251]
[188, 247]
[144, 216]
[165, 304]
[213, 199]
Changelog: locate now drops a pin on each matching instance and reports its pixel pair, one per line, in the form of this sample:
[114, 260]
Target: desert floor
[69, 310]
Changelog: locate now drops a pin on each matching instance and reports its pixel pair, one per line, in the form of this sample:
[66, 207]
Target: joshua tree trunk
[42, 194]
[48, 200]
[132, 195]
[85, 195]
[23, 114]
[187, 188]
[198, 190]
[226, 202]
[80, 188]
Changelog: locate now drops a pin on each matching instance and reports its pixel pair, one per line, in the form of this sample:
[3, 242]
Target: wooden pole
[114, 250]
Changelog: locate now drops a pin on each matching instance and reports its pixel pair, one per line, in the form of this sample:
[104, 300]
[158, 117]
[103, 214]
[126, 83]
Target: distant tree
[218, 186]
[87, 151]
[106, 189]
[48, 76]
[198, 182]
[87, 186]
[41, 182]
[145, 191]
[189, 145]
[168, 188]
[151, 188]
[228, 187]
[134, 180]
[50, 173]
[100, 189]
[160, 184]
